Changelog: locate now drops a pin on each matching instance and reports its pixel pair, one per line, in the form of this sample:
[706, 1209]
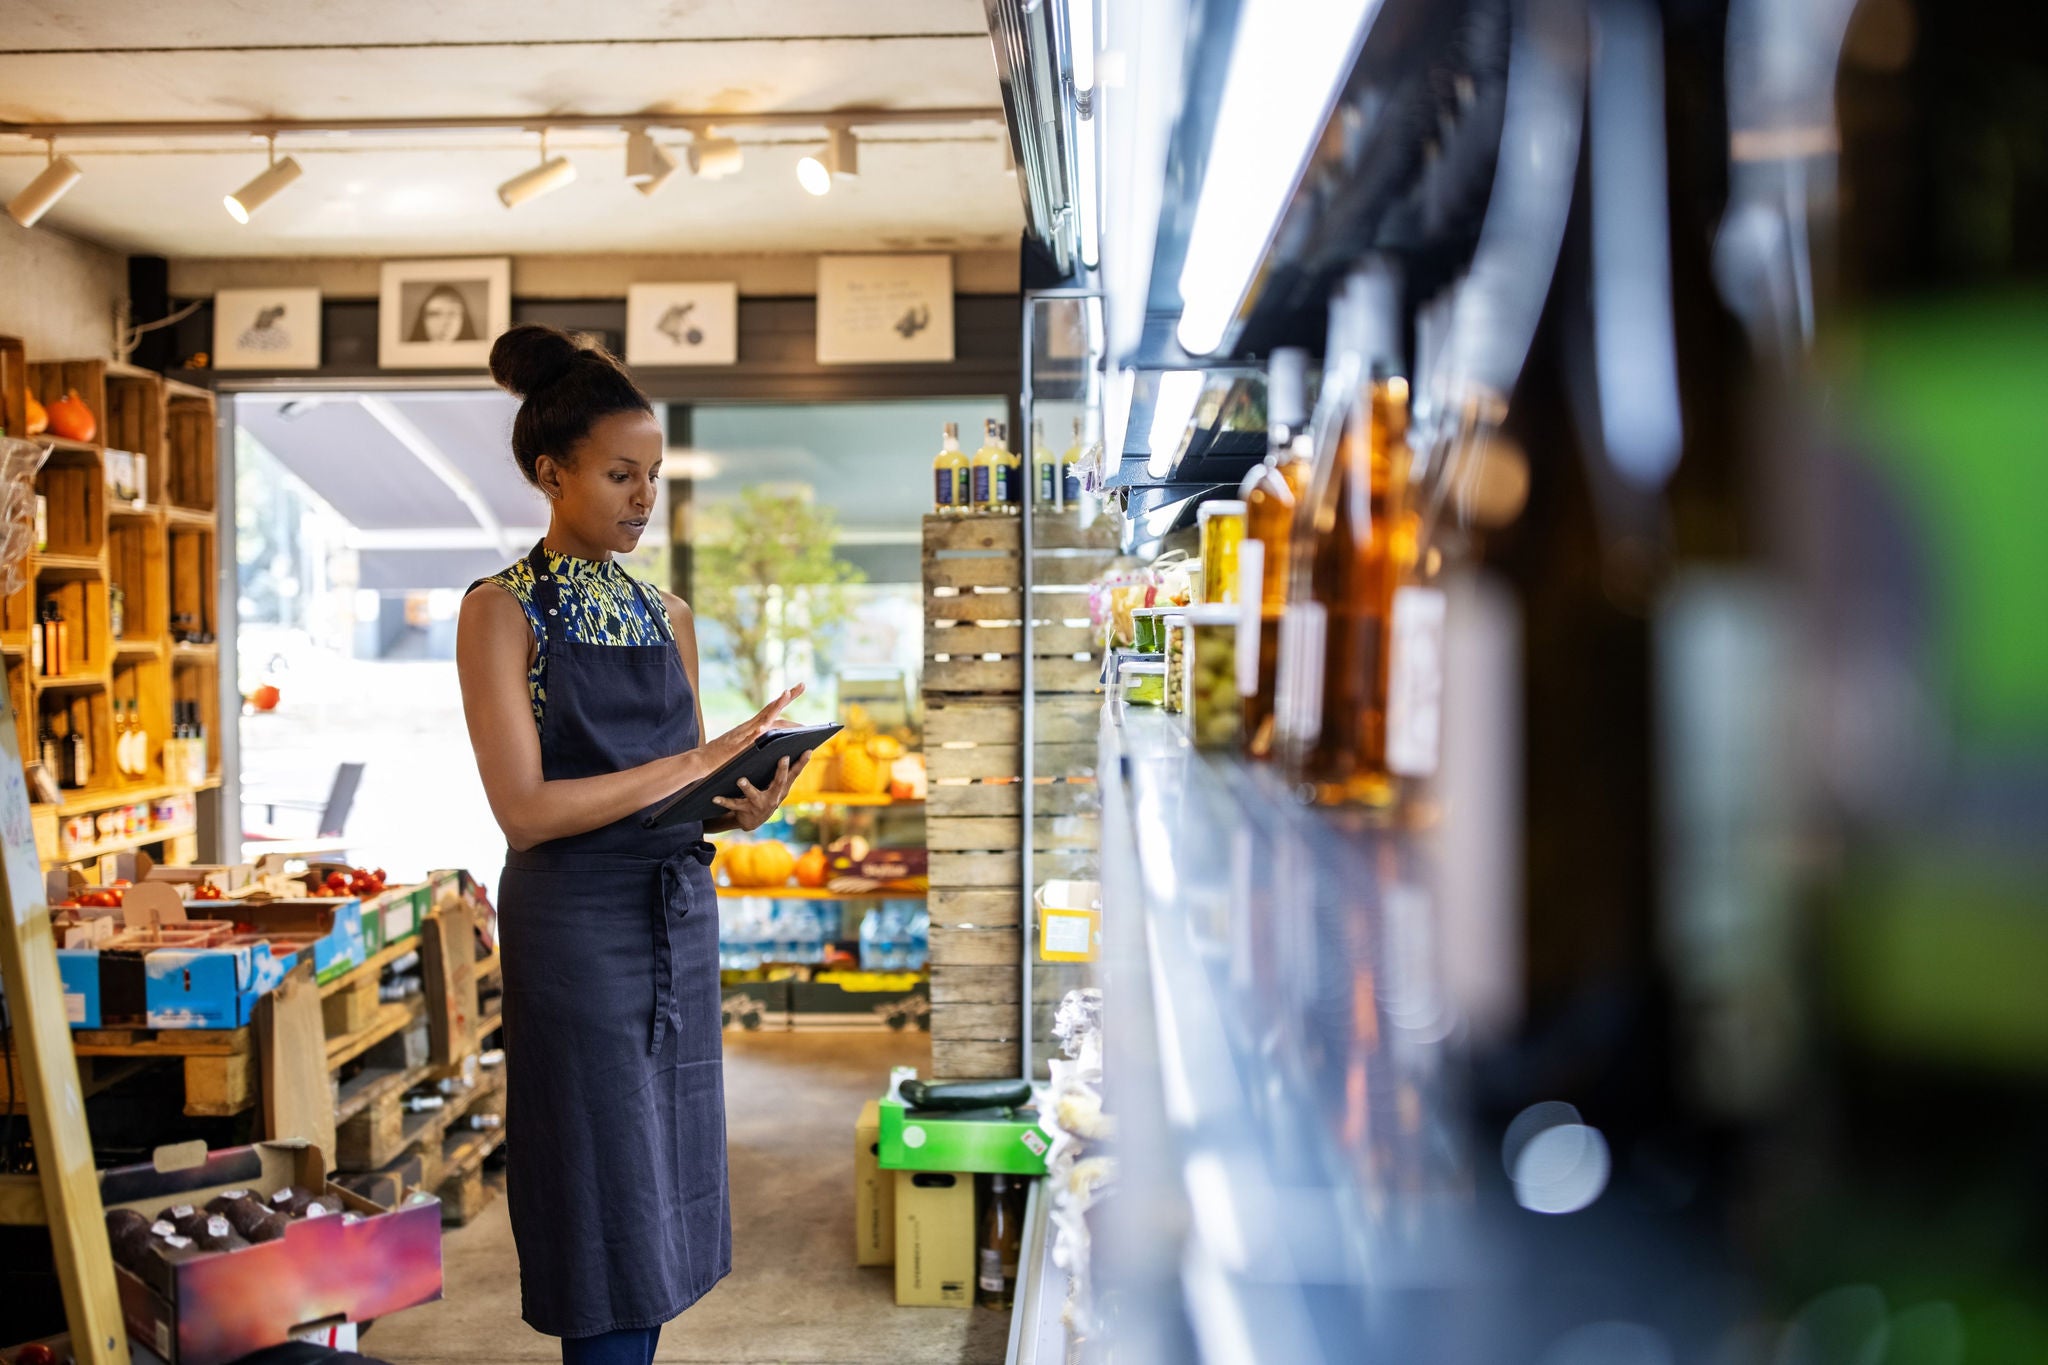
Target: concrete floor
[795, 1296]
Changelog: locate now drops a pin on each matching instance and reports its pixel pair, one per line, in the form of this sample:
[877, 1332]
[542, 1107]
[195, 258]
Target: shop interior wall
[59, 293]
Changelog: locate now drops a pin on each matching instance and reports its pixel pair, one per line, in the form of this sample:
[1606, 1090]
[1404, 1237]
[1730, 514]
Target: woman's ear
[548, 474]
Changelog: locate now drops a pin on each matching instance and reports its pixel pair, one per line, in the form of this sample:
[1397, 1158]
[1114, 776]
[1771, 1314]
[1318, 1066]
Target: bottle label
[991, 1278]
[1071, 479]
[942, 493]
[1301, 672]
[981, 484]
[1251, 578]
[1006, 485]
[1048, 483]
[1415, 681]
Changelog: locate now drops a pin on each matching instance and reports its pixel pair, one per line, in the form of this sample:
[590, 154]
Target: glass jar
[1148, 629]
[1222, 524]
[1143, 684]
[1176, 625]
[1215, 710]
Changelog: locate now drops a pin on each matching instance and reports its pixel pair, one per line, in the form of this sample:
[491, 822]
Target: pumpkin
[72, 419]
[38, 417]
[772, 863]
[811, 869]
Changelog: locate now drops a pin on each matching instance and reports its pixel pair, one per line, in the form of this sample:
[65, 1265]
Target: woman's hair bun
[529, 357]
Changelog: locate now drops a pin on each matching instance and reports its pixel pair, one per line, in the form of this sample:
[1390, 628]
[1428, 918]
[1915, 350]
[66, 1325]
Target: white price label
[74, 1009]
[1415, 682]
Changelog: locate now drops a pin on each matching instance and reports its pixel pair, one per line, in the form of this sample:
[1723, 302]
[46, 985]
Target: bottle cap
[1287, 388]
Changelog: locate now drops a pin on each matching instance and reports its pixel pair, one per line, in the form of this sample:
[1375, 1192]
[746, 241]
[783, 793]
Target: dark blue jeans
[631, 1347]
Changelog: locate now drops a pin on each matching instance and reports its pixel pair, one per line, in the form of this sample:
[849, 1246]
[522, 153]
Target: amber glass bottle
[1345, 567]
[1272, 493]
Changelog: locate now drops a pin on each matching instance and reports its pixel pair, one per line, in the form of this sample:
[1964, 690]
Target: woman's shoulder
[516, 582]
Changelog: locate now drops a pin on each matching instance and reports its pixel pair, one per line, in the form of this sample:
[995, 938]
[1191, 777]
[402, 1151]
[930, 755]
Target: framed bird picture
[682, 324]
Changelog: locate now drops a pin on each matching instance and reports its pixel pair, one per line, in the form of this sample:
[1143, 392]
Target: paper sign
[880, 310]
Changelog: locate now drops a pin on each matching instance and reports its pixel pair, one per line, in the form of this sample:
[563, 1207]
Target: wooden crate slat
[992, 870]
[975, 1061]
[1056, 719]
[1063, 531]
[989, 1023]
[975, 571]
[1056, 676]
[1046, 640]
[1070, 569]
[1050, 833]
[976, 947]
[1007, 760]
[975, 909]
[976, 986]
[973, 606]
[972, 533]
[1007, 798]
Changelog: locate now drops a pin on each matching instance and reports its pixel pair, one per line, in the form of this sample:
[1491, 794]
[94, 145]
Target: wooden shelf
[65, 443]
[806, 893]
[72, 682]
[103, 798]
[128, 842]
[127, 511]
[178, 388]
[181, 649]
[391, 1020]
[138, 649]
[189, 516]
[49, 563]
[850, 799]
[373, 966]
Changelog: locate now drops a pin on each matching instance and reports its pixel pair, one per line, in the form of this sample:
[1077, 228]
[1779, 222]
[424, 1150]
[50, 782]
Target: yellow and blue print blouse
[601, 604]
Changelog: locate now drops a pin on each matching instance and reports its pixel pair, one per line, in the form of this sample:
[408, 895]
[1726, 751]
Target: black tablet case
[757, 765]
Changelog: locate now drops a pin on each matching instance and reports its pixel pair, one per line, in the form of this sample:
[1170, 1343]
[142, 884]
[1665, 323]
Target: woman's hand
[715, 754]
[754, 808]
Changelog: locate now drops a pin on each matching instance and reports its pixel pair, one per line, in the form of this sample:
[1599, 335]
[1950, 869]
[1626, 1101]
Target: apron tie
[674, 904]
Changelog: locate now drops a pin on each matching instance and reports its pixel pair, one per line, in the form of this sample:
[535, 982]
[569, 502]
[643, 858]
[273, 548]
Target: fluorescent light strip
[1116, 419]
[1081, 34]
[1284, 71]
[1173, 407]
[1088, 202]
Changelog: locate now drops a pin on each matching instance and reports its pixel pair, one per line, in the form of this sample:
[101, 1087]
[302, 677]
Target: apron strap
[674, 903]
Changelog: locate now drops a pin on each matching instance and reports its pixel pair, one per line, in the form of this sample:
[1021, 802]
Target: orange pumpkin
[38, 420]
[72, 419]
[811, 869]
[771, 864]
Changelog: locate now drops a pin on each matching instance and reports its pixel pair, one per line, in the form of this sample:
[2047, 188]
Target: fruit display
[340, 884]
[72, 419]
[812, 869]
[764, 863]
[861, 760]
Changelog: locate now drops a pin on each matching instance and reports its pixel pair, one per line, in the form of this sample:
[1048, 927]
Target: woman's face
[441, 317]
[605, 493]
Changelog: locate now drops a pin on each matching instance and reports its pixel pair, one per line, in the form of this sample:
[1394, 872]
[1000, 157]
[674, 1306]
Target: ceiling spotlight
[714, 158]
[542, 179]
[664, 166]
[258, 192]
[838, 158]
[642, 152]
[45, 190]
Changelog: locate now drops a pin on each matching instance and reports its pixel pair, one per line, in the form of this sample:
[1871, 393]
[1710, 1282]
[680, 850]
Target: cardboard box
[79, 970]
[334, 927]
[991, 1146]
[322, 1273]
[935, 1239]
[901, 1001]
[874, 1192]
[207, 987]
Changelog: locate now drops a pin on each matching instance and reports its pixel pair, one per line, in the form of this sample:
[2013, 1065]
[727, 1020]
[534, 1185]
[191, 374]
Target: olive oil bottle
[1009, 474]
[984, 469]
[1272, 495]
[1045, 468]
[1070, 468]
[949, 475]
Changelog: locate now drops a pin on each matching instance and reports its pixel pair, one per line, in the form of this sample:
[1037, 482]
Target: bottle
[1343, 566]
[483, 1123]
[949, 475]
[121, 738]
[1070, 469]
[196, 756]
[1011, 471]
[56, 640]
[1045, 468]
[117, 610]
[985, 484]
[50, 750]
[1272, 493]
[420, 1104]
[76, 767]
[138, 739]
[1002, 1235]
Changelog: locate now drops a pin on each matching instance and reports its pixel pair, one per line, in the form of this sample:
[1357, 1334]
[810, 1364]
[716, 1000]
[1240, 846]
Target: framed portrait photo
[439, 315]
[683, 324]
[881, 310]
[266, 329]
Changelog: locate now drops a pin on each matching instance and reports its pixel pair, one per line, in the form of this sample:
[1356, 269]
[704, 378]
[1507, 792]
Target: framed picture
[266, 329]
[442, 314]
[682, 324]
[881, 310]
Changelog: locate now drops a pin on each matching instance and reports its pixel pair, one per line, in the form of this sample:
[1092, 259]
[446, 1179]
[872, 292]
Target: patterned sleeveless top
[602, 604]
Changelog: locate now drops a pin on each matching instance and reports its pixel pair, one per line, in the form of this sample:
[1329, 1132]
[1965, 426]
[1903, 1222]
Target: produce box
[324, 1272]
[874, 1192]
[334, 928]
[79, 970]
[993, 1146]
[755, 1006]
[207, 987]
[862, 1000]
[394, 914]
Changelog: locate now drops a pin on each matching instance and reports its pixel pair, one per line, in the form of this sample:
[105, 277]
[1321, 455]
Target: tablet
[757, 765]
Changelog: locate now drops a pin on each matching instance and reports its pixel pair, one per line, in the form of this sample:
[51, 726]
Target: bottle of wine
[986, 484]
[1002, 1237]
[1272, 495]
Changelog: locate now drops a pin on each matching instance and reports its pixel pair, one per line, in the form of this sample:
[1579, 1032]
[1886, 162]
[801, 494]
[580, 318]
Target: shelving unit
[159, 549]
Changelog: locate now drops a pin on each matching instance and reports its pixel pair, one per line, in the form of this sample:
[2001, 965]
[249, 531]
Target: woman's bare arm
[493, 649]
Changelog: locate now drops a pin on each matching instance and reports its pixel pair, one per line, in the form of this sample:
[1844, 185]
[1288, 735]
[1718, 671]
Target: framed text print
[881, 310]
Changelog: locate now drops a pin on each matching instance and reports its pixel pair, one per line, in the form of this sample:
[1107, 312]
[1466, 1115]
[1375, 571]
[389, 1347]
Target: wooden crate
[193, 567]
[146, 681]
[14, 386]
[137, 561]
[186, 478]
[50, 380]
[75, 493]
[196, 679]
[135, 416]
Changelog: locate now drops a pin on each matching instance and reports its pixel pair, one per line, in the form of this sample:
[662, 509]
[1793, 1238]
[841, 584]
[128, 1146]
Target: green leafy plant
[765, 573]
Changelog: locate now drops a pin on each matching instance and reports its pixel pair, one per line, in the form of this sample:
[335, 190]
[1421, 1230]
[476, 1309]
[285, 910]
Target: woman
[579, 684]
[443, 316]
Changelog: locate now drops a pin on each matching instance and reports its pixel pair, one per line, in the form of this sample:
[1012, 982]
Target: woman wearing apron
[579, 684]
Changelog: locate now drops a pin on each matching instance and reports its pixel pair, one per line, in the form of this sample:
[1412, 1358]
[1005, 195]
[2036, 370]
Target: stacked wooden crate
[974, 722]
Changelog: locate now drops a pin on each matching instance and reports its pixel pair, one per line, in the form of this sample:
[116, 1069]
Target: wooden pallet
[974, 723]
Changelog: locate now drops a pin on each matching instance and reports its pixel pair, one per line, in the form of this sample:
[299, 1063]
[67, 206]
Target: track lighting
[714, 158]
[548, 176]
[838, 158]
[646, 159]
[42, 193]
[258, 192]
[664, 167]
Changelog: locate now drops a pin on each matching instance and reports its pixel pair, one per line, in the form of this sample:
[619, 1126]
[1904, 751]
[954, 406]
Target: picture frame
[442, 314]
[683, 323]
[885, 310]
[266, 329]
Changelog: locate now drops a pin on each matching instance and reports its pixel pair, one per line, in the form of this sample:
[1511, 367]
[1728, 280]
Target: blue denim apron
[615, 1113]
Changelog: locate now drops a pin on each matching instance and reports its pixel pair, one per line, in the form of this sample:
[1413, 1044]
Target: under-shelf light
[1173, 407]
[1088, 200]
[1285, 69]
[1116, 418]
[1081, 35]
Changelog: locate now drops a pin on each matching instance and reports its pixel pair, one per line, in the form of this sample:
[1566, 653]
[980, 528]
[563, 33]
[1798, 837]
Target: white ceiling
[521, 59]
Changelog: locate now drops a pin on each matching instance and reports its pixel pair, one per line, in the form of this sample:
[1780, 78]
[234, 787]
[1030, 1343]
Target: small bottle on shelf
[1045, 468]
[1002, 1238]
[1009, 473]
[1070, 468]
[50, 749]
[56, 640]
[1272, 493]
[950, 476]
[484, 1123]
[986, 484]
[76, 769]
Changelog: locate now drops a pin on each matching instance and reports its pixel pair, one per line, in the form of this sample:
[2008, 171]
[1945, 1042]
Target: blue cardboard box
[79, 969]
[209, 987]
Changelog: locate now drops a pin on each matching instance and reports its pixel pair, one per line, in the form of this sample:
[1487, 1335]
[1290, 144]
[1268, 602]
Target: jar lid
[1222, 507]
[1144, 670]
[1214, 614]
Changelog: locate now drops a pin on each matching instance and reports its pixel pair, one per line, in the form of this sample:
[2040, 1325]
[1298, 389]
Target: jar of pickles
[1214, 709]
[1175, 629]
[1142, 684]
[1222, 524]
[1148, 629]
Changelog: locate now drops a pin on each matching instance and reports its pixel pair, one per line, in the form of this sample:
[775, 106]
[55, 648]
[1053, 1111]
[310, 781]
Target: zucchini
[997, 1113]
[965, 1094]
